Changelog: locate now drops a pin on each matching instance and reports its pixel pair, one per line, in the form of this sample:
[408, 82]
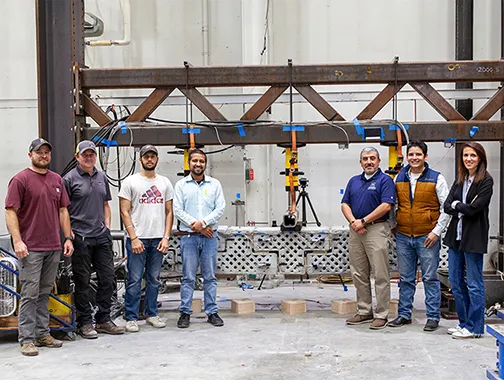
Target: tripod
[303, 195]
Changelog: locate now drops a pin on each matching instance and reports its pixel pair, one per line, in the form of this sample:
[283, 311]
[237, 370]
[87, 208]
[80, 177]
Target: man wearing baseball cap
[35, 209]
[146, 210]
[89, 194]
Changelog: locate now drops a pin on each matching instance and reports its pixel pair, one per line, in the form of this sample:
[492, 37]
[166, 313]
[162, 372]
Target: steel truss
[188, 80]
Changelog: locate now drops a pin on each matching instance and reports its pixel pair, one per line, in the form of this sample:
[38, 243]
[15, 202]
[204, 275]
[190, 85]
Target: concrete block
[344, 306]
[393, 306]
[294, 306]
[243, 306]
[197, 305]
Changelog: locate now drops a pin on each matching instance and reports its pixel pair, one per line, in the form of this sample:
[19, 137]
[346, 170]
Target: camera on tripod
[303, 182]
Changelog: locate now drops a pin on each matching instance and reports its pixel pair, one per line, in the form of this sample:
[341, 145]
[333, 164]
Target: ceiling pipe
[126, 27]
[204, 33]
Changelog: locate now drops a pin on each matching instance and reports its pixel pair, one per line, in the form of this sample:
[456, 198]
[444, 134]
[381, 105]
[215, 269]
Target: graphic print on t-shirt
[152, 195]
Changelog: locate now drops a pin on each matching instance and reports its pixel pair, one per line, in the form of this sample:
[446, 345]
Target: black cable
[220, 123]
[180, 152]
[127, 110]
[221, 150]
[101, 135]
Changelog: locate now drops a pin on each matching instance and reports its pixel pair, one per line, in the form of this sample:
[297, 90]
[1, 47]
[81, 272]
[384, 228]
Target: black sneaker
[399, 321]
[431, 325]
[215, 320]
[184, 321]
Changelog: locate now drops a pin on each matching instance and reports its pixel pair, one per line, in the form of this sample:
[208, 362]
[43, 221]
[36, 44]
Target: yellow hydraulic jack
[395, 156]
[187, 149]
[292, 173]
[290, 219]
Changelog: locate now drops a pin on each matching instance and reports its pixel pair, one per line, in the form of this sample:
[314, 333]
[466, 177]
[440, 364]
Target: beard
[40, 165]
[149, 169]
[197, 171]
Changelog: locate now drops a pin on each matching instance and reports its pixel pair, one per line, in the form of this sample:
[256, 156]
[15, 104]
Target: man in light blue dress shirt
[198, 204]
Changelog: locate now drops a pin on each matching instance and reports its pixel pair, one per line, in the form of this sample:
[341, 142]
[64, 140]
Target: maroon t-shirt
[39, 198]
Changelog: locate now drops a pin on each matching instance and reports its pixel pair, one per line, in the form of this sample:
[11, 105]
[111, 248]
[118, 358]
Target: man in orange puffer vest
[421, 193]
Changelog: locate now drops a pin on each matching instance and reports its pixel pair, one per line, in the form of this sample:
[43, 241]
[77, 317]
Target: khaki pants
[370, 252]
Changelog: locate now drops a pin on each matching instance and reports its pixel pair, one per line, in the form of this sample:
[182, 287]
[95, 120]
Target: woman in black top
[467, 239]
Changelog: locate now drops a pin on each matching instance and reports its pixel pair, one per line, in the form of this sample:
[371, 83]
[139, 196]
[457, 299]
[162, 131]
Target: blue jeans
[198, 249]
[148, 262]
[410, 250]
[465, 270]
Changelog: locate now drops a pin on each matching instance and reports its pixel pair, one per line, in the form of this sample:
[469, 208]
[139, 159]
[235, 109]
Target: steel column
[464, 20]
[55, 80]
[501, 169]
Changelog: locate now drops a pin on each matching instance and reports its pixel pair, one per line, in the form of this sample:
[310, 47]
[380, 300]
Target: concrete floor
[265, 345]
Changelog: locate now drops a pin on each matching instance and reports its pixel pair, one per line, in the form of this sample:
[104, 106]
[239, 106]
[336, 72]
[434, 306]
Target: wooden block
[344, 306]
[294, 306]
[393, 306]
[197, 305]
[243, 306]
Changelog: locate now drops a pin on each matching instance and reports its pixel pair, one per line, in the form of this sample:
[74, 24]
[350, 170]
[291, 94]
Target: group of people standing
[424, 207]
[39, 202]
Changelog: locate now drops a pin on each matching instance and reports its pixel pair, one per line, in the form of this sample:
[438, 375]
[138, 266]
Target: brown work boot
[48, 341]
[109, 328]
[29, 349]
[88, 332]
[378, 324]
[358, 319]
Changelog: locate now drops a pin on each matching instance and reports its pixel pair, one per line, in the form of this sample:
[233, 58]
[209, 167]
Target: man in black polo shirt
[368, 199]
[89, 194]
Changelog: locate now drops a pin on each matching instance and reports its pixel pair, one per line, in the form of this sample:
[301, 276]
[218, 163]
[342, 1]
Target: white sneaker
[156, 322]
[132, 326]
[452, 330]
[464, 334]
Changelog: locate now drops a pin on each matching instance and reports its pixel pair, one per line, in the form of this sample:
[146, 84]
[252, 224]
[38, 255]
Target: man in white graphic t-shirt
[146, 210]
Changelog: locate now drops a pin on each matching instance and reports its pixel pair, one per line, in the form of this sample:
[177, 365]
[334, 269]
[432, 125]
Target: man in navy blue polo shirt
[367, 201]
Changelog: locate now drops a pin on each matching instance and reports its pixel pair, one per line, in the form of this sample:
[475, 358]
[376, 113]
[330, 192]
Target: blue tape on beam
[382, 134]
[190, 130]
[296, 128]
[451, 141]
[473, 131]
[341, 191]
[109, 143]
[123, 127]
[241, 130]
[394, 127]
[358, 128]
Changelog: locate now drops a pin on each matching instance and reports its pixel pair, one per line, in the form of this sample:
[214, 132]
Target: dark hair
[463, 173]
[197, 151]
[417, 144]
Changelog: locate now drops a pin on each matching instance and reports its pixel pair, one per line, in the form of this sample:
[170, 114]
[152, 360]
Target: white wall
[167, 32]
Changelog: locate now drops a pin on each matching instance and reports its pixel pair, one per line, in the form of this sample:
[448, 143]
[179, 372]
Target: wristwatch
[203, 224]
[363, 221]
[69, 238]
